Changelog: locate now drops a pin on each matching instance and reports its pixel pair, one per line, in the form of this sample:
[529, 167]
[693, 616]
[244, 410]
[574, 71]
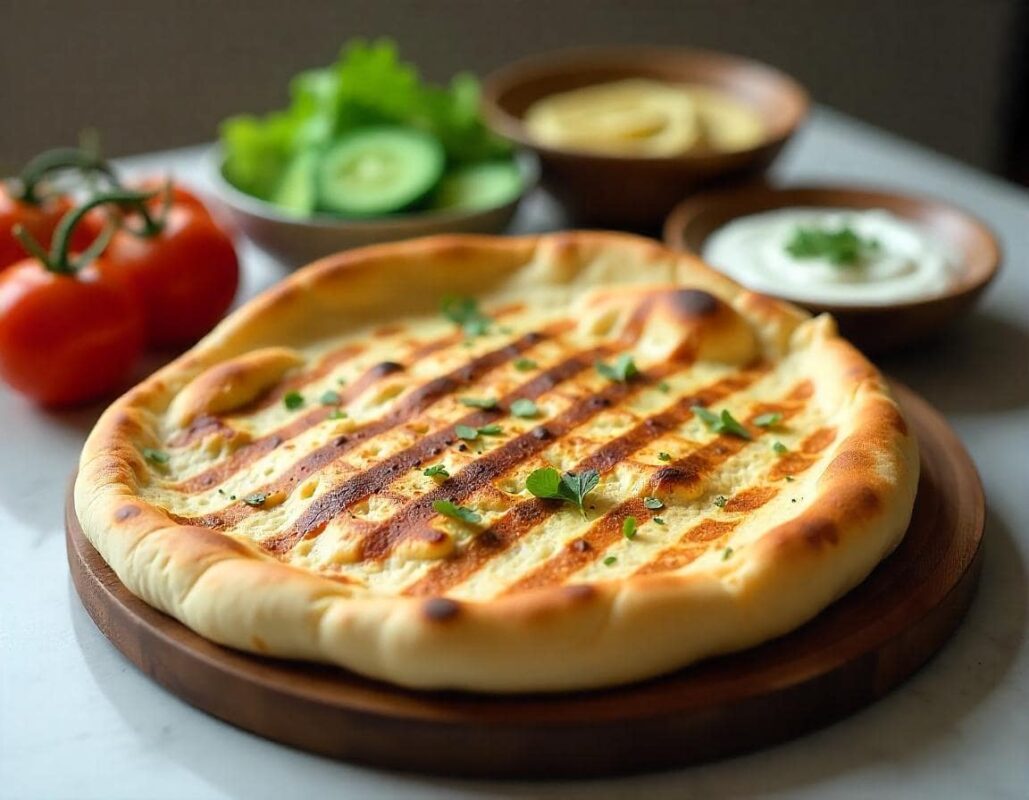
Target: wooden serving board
[852, 653]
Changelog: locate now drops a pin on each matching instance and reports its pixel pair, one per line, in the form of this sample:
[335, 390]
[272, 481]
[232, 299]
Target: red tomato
[65, 339]
[181, 196]
[39, 220]
[184, 277]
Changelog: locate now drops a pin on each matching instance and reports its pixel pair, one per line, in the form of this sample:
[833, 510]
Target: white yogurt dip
[898, 260]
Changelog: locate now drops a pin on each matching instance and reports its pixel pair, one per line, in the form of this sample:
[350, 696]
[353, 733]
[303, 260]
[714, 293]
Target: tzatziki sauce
[808, 255]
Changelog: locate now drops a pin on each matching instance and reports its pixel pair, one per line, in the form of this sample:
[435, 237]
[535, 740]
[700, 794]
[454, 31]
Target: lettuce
[368, 85]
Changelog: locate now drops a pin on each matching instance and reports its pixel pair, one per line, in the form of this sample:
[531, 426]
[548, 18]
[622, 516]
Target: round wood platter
[852, 653]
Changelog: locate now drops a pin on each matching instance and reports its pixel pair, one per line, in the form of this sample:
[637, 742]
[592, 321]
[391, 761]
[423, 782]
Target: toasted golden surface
[340, 471]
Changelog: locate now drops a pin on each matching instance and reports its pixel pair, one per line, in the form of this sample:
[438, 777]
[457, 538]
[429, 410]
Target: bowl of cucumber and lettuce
[368, 152]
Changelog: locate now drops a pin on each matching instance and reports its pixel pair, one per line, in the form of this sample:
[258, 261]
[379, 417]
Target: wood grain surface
[855, 651]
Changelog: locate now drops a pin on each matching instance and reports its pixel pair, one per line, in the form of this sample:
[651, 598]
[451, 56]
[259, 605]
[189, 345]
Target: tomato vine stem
[60, 158]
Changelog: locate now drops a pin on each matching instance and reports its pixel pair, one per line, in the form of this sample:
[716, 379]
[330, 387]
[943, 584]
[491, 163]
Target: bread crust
[562, 637]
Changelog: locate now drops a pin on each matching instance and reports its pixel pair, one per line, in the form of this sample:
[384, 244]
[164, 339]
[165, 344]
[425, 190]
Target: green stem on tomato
[57, 159]
[59, 258]
[153, 224]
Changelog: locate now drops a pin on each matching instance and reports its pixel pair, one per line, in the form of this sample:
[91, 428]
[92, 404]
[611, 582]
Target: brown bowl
[636, 191]
[874, 328]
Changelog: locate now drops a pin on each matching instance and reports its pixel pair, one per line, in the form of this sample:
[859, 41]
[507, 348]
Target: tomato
[184, 276]
[39, 219]
[65, 339]
[181, 196]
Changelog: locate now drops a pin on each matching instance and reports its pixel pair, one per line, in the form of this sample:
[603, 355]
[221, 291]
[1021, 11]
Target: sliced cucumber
[485, 185]
[376, 171]
[296, 191]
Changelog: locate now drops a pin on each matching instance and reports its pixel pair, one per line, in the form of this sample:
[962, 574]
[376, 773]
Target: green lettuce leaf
[368, 85]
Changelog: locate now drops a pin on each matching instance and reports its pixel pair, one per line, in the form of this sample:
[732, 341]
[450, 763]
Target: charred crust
[694, 303]
[126, 512]
[431, 535]
[671, 476]
[384, 368]
[440, 609]
[818, 532]
[578, 591]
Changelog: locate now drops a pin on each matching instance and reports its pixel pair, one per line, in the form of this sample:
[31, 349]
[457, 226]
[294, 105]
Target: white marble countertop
[77, 720]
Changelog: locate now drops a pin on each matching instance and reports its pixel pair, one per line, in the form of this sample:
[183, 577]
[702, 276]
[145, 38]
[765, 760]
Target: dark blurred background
[951, 74]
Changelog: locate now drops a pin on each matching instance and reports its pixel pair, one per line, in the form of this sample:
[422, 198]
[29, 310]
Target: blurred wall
[160, 74]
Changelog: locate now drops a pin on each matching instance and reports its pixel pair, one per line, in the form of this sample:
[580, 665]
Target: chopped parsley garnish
[721, 423]
[609, 561]
[436, 471]
[479, 402]
[726, 553]
[525, 408]
[341, 381]
[629, 528]
[330, 398]
[665, 387]
[256, 499]
[721, 500]
[790, 479]
[842, 247]
[525, 364]
[338, 413]
[652, 503]
[466, 432]
[780, 448]
[621, 371]
[293, 400]
[464, 311]
[550, 484]
[155, 456]
[663, 456]
[462, 513]
[470, 434]
[768, 420]
[658, 521]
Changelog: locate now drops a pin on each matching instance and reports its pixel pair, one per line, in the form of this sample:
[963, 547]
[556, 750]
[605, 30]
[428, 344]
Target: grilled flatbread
[601, 462]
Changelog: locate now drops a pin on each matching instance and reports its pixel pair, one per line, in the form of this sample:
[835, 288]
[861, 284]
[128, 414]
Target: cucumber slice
[376, 171]
[486, 185]
[296, 191]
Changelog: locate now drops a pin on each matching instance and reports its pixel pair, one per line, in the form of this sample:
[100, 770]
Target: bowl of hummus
[623, 134]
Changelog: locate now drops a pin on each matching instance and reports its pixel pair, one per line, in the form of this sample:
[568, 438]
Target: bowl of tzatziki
[892, 268]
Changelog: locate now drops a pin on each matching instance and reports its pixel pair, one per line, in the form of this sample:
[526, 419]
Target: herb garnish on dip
[832, 255]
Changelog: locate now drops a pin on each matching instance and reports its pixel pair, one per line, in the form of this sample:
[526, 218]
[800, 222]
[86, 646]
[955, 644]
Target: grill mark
[378, 542]
[199, 428]
[527, 514]
[794, 463]
[407, 407]
[750, 499]
[207, 423]
[607, 530]
[249, 453]
[678, 556]
[375, 479]
[325, 365]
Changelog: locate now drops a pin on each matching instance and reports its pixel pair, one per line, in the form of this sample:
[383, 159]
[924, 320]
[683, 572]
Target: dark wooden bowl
[874, 328]
[634, 191]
